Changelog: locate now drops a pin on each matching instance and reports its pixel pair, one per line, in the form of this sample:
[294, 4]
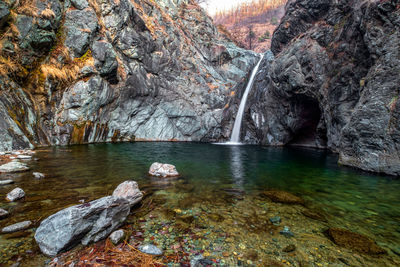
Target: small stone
[14, 166]
[289, 248]
[4, 182]
[3, 213]
[275, 220]
[38, 175]
[117, 236]
[150, 249]
[24, 157]
[163, 170]
[15, 194]
[16, 227]
[286, 232]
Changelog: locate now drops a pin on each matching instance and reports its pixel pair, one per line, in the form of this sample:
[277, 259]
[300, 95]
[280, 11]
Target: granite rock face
[333, 83]
[114, 71]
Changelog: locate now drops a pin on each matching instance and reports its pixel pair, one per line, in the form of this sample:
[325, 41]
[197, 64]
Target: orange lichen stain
[232, 93]
[77, 134]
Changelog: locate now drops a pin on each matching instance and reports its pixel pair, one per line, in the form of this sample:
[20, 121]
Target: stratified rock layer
[112, 71]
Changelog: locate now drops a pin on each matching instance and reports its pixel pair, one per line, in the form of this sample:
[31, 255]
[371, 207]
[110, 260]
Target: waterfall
[235, 138]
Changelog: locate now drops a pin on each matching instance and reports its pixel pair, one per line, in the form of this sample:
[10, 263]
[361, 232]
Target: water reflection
[236, 164]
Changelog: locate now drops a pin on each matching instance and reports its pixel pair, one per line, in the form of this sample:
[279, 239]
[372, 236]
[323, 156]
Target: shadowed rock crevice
[307, 130]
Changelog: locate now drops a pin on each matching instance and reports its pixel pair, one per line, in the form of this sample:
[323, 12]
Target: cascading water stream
[235, 137]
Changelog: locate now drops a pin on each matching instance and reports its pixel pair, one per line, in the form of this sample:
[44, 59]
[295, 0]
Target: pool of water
[351, 199]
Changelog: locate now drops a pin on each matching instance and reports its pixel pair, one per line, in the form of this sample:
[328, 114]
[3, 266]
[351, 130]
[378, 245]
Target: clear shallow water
[361, 202]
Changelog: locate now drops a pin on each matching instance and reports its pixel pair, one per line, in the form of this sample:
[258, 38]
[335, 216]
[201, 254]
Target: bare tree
[250, 35]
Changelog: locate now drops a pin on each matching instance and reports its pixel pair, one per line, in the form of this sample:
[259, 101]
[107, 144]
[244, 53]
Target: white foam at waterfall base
[235, 137]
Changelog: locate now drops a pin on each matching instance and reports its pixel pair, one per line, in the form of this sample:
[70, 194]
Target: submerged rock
[314, 215]
[16, 227]
[15, 194]
[5, 182]
[286, 232]
[354, 241]
[117, 236]
[275, 220]
[38, 175]
[163, 170]
[289, 248]
[14, 166]
[85, 223]
[150, 249]
[3, 213]
[283, 197]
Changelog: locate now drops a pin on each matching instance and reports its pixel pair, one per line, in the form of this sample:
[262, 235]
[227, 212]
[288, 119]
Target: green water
[358, 201]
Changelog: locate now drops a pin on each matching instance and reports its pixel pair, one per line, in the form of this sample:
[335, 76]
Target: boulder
[85, 223]
[163, 170]
[117, 236]
[14, 166]
[5, 182]
[38, 175]
[283, 197]
[16, 227]
[15, 194]
[3, 213]
[130, 191]
[354, 241]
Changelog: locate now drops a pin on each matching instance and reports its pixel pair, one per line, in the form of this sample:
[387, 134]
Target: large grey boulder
[85, 223]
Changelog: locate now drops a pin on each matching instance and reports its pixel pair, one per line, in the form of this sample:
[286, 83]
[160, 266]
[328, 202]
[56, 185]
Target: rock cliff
[334, 83]
[83, 71]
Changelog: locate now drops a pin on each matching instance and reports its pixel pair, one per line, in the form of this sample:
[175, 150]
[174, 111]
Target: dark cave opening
[309, 129]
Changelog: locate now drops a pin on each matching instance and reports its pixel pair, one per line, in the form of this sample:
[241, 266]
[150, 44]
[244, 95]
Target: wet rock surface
[14, 166]
[6, 182]
[15, 194]
[332, 83]
[38, 175]
[16, 227]
[85, 223]
[3, 213]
